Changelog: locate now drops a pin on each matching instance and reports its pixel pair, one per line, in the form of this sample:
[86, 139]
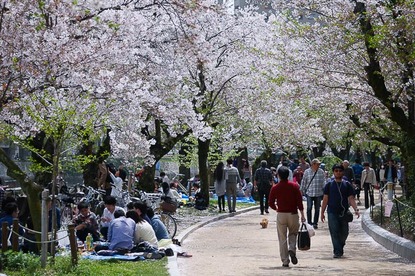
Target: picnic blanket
[96, 257]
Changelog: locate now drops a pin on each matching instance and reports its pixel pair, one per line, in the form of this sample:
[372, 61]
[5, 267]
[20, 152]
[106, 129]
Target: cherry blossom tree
[360, 53]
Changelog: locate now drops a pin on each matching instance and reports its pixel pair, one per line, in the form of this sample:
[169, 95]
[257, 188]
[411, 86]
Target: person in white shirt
[369, 181]
[117, 182]
[144, 232]
[108, 214]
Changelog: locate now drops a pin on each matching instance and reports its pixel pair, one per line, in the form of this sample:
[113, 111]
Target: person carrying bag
[338, 195]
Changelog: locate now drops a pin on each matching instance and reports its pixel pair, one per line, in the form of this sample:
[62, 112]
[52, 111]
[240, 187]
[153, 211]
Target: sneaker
[315, 226]
[294, 259]
[285, 265]
[266, 211]
[262, 213]
[336, 256]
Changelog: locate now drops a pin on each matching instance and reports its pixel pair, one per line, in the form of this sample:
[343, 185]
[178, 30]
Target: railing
[388, 199]
[11, 233]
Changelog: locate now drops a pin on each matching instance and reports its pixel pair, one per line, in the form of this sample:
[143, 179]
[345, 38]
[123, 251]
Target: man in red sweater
[286, 199]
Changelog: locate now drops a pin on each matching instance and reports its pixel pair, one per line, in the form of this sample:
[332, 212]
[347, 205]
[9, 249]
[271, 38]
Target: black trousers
[369, 197]
[263, 194]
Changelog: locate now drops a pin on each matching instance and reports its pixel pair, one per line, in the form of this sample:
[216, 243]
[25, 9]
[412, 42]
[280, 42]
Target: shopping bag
[303, 239]
[310, 230]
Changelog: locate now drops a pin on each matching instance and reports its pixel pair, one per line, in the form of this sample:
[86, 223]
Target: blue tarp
[114, 257]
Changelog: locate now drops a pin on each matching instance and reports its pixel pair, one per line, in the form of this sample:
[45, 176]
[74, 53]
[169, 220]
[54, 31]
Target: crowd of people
[284, 192]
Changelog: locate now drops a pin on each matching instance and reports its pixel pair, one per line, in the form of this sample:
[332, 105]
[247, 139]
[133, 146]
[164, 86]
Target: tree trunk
[147, 179]
[30, 188]
[203, 152]
[90, 170]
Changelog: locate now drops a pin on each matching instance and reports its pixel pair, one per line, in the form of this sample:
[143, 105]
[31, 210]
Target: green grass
[63, 266]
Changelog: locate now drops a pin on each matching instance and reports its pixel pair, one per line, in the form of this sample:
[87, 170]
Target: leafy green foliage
[392, 224]
[17, 261]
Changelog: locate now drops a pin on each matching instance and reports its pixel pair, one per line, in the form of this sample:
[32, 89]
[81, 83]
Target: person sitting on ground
[120, 233]
[200, 202]
[85, 223]
[11, 211]
[140, 208]
[5, 201]
[158, 226]
[248, 188]
[175, 193]
[108, 214]
[143, 230]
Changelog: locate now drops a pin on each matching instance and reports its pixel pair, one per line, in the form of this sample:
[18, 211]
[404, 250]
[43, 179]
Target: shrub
[16, 261]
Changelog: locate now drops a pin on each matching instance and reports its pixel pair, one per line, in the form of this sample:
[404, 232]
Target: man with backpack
[263, 183]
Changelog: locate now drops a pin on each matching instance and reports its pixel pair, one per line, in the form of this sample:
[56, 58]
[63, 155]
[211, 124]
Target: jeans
[316, 201]
[339, 230]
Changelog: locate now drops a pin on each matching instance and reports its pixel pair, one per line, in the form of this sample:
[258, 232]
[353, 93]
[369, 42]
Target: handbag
[348, 216]
[303, 239]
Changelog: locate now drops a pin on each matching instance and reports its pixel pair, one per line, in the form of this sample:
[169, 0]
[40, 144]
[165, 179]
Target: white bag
[310, 230]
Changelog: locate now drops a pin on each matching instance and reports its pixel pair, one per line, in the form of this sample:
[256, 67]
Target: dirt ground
[239, 246]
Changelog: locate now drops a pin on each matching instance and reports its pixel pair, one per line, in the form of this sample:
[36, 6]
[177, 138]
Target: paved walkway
[237, 245]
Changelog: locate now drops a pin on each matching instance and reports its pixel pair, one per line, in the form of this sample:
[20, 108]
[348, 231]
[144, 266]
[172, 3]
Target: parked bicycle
[166, 212]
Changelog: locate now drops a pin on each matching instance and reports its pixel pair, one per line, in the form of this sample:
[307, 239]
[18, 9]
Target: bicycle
[154, 201]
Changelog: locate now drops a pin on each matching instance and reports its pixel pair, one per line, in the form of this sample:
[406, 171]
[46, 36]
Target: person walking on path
[312, 187]
[357, 170]
[286, 199]
[220, 185]
[348, 172]
[391, 173]
[338, 196]
[232, 179]
[263, 182]
[369, 181]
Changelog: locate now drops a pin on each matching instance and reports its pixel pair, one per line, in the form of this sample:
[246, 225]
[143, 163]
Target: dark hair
[82, 205]
[8, 199]
[218, 173]
[166, 187]
[133, 215]
[366, 164]
[123, 174]
[110, 200]
[10, 208]
[196, 184]
[229, 161]
[283, 173]
[141, 206]
[111, 168]
[130, 205]
[119, 213]
[150, 213]
[162, 174]
[338, 167]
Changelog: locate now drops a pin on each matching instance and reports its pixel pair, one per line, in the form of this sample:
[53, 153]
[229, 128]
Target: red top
[286, 197]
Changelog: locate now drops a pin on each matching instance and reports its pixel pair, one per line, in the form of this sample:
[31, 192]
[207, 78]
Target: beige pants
[287, 228]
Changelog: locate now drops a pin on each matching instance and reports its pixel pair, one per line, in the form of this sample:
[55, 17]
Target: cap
[315, 161]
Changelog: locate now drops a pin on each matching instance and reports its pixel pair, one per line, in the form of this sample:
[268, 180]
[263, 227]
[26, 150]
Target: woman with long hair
[220, 185]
